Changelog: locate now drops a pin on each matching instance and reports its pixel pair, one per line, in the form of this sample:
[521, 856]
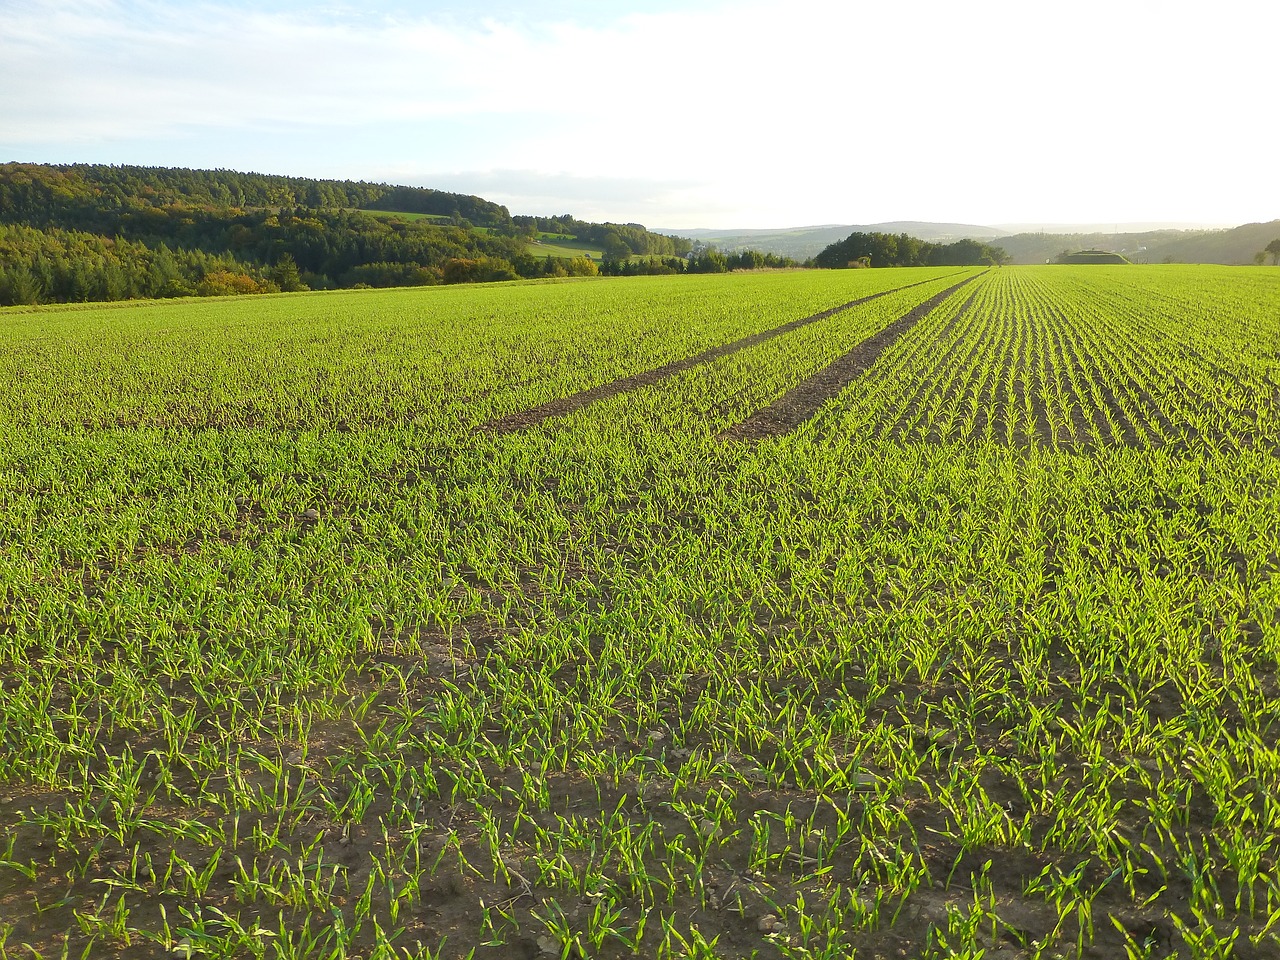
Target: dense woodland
[902, 250]
[90, 232]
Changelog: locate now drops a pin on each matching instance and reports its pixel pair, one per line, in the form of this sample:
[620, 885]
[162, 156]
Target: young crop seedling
[786, 614]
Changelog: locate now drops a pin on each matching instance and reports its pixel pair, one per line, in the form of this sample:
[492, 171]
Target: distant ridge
[1158, 243]
[805, 242]
[1009, 229]
[1238, 245]
[100, 232]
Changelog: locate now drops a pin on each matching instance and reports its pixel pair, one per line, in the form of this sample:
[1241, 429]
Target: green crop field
[814, 614]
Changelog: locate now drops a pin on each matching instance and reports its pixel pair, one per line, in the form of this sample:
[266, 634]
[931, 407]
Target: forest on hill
[86, 232]
[874, 249]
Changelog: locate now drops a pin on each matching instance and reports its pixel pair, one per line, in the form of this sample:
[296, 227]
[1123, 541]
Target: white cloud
[755, 112]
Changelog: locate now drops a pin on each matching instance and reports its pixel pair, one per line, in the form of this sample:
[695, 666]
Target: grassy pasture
[403, 215]
[557, 245]
[299, 657]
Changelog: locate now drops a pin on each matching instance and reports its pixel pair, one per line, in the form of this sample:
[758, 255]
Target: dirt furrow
[562, 405]
[803, 401]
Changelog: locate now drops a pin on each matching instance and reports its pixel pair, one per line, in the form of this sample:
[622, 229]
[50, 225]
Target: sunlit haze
[742, 114]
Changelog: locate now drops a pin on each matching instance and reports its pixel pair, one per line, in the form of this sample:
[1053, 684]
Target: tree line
[903, 250]
[67, 266]
[702, 259]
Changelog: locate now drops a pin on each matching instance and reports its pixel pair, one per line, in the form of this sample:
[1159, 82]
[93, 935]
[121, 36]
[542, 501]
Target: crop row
[1047, 360]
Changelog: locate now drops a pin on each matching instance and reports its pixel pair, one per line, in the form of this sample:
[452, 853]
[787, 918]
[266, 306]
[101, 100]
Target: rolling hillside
[805, 242]
[1236, 245]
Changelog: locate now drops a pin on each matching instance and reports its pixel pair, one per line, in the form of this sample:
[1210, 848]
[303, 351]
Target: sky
[678, 114]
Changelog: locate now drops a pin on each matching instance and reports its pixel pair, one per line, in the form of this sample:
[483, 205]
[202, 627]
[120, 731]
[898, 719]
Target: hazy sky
[678, 114]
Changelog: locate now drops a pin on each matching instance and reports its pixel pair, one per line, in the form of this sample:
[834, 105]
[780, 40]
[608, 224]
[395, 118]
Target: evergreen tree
[285, 274]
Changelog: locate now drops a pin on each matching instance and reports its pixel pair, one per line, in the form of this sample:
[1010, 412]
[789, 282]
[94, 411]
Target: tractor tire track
[803, 401]
[562, 405]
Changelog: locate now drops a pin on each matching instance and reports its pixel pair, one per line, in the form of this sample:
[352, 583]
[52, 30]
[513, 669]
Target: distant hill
[1237, 245]
[802, 243]
[1234, 246]
[81, 232]
[877, 249]
[1010, 229]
